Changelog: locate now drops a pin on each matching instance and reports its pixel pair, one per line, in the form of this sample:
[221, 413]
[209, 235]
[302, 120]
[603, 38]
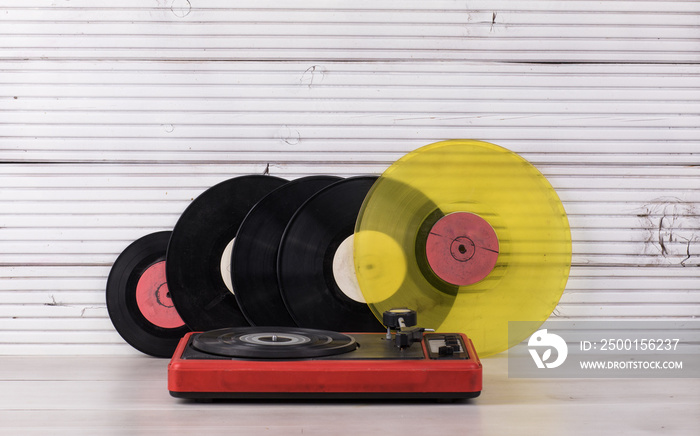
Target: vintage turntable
[285, 363]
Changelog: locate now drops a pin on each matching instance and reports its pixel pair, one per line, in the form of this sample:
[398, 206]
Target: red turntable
[289, 363]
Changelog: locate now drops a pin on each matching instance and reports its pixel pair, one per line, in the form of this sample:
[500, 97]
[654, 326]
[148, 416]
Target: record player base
[334, 378]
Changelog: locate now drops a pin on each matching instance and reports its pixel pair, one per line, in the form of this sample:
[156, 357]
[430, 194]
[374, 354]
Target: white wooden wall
[115, 115]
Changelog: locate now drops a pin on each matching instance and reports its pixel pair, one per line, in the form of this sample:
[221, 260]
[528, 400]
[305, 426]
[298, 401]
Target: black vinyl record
[314, 265]
[197, 267]
[273, 342]
[254, 257]
[138, 301]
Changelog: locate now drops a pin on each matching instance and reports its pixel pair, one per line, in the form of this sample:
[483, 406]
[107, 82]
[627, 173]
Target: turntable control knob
[398, 318]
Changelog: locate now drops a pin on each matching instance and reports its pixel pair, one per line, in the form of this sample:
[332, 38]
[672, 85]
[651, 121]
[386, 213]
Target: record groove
[196, 265]
[311, 267]
[257, 246]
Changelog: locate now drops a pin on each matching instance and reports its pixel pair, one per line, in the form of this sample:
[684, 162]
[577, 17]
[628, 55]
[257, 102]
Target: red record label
[462, 248]
[153, 298]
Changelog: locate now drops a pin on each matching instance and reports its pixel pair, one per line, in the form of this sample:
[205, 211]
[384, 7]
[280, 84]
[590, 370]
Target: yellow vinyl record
[468, 234]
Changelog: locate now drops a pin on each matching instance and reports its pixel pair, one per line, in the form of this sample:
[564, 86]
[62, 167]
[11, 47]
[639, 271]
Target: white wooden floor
[127, 395]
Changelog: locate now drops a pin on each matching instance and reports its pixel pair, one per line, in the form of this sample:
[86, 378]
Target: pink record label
[153, 298]
[462, 248]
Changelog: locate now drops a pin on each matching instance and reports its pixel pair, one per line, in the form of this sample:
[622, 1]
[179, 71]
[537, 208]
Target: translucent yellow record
[468, 234]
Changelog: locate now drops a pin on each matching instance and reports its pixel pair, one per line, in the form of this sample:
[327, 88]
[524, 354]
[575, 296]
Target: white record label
[225, 266]
[344, 270]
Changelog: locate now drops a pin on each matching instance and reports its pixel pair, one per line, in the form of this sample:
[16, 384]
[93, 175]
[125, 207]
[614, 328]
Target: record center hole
[274, 338]
[462, 248]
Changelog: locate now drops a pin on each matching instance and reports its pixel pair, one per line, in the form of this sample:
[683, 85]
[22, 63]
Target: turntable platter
[273, 342]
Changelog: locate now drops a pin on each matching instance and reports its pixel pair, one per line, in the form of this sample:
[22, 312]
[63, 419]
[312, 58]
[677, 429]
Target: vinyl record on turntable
[138, 300]
[273, 342]
[315, 265]
[198, 258]
[257, 245]
[495, 247]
